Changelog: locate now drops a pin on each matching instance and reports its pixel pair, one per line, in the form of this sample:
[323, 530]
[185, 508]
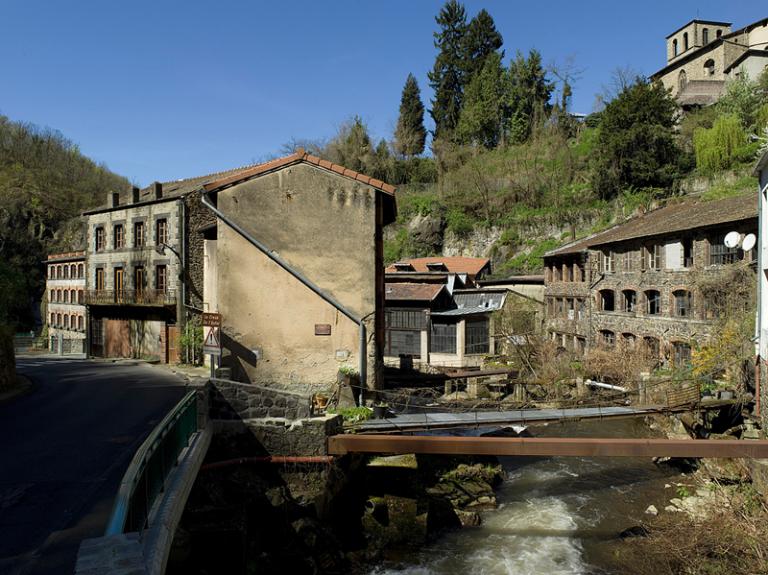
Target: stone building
[438, 317]
[703, 55]
[636, 283]
[65, 310]
[294, 265]
[145, 268]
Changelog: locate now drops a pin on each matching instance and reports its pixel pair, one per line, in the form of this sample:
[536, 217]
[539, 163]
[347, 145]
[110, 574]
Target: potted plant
[380, 410]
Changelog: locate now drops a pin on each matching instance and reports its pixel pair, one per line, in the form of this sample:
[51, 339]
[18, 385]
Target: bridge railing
[145, 477]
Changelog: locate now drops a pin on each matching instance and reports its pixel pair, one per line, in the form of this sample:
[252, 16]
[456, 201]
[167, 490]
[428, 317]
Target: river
[556, 516]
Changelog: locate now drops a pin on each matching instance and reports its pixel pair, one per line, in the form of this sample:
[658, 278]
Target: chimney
[113, 199]
[135, 194]
[157, 190]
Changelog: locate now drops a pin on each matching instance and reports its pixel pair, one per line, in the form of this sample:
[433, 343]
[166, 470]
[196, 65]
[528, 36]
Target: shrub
[459, 223]
[719, 147]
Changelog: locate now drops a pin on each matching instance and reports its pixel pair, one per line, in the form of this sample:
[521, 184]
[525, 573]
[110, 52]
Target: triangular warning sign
[212, 339]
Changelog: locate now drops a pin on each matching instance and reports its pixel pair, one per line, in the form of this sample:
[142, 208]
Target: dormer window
[403, 267]
[437, 267]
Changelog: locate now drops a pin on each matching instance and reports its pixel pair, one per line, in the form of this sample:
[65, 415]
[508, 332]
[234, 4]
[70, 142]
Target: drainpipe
[363, 352]
[180, 308]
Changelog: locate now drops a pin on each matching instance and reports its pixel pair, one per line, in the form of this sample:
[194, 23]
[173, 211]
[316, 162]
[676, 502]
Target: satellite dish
[732, 240]
[749, 242]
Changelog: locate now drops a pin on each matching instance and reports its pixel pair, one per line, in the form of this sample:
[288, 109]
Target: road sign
[211, 319]
[212, 341]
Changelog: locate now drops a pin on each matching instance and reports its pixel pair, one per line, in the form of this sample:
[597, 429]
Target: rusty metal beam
[546, 446]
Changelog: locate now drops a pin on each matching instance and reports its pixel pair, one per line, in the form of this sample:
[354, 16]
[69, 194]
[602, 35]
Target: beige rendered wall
[323, 224]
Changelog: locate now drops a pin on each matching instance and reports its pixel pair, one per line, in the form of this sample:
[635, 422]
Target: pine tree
[529, 93]
[482, 40]
[481, 121]
[410, 133]
[447, 75]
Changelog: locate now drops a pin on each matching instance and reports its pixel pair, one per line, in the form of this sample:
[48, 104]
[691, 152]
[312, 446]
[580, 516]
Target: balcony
[156, 298]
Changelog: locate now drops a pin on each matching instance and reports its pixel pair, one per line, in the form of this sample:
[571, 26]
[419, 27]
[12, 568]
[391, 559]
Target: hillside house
[703, 55]
[636, 283]
[294, 264]
[65, 314]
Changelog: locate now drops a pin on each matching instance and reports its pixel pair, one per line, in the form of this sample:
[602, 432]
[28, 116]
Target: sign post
[212, 341]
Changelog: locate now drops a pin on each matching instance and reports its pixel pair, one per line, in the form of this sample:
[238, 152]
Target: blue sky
[166, 89]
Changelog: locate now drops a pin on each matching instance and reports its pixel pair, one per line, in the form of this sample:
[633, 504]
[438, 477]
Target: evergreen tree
[447, 75]
[528, 97]
[482, 40]
[352, 147]
[481, 120]
[410, 133]
[636, 142]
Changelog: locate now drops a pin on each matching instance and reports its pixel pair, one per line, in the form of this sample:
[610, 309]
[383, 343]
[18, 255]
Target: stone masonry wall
[197, 217]
[230, 401]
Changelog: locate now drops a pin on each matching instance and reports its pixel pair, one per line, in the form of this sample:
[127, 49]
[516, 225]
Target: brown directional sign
[211, 319]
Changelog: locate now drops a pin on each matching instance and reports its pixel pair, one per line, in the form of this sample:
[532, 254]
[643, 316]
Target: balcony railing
[130, 297]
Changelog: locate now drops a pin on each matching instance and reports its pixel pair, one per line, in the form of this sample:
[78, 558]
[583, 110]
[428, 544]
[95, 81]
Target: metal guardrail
[129, 297]
[145, 477]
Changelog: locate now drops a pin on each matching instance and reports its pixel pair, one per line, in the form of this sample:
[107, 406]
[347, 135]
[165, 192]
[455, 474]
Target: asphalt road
[63, 450]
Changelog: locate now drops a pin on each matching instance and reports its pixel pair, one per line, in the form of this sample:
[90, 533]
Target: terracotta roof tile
[454, 264]
[299, 156]
[412, 291]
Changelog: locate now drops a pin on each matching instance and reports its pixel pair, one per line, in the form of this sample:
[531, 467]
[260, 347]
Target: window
[627, 261]
[59, 297]
[161, 231]
[80, 271]
[405, 319]
[607, 300]
[683, 303]
[119, 284]
[66, 272]
[99, 241]
[80, 296]
[705, 36]
[52, 296]
[161, 278]
[66, 296]
[685, 41]
[674, 47]
[720, 254]
[628, 340]
[580, 275]
[687, 252]
[682, 354]
[652, 257]
[66, 321]
[80, 323]
[403, 342]
[138, 234]
[73, 322]
[653, 302]
[58, 320]
[557, 273]
[73, 271]
[139, 279]
[99, 279]
[709, 67]
[51, 272]
[651, 347]
[607, 262]
[477, 336]
[682, 81]
[630, 300]
[567, 272]
[73, 296]
[119, 236]
[53, 320]
[443, 338]
[607, 338]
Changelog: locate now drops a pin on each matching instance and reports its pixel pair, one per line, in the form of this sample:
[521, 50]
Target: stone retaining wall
[230, 400]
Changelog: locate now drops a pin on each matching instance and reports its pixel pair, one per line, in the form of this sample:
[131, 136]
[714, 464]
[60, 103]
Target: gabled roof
[299, 156]
[697, 21]
[751, 53]
[453, 264]
[688, 214]
[412, 291]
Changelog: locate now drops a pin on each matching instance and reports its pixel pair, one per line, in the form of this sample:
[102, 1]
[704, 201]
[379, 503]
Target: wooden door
[117, 338]
[119, 285]
[174, 351]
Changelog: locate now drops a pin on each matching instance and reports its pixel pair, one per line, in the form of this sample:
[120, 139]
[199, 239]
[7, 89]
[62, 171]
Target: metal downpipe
[363, 348]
